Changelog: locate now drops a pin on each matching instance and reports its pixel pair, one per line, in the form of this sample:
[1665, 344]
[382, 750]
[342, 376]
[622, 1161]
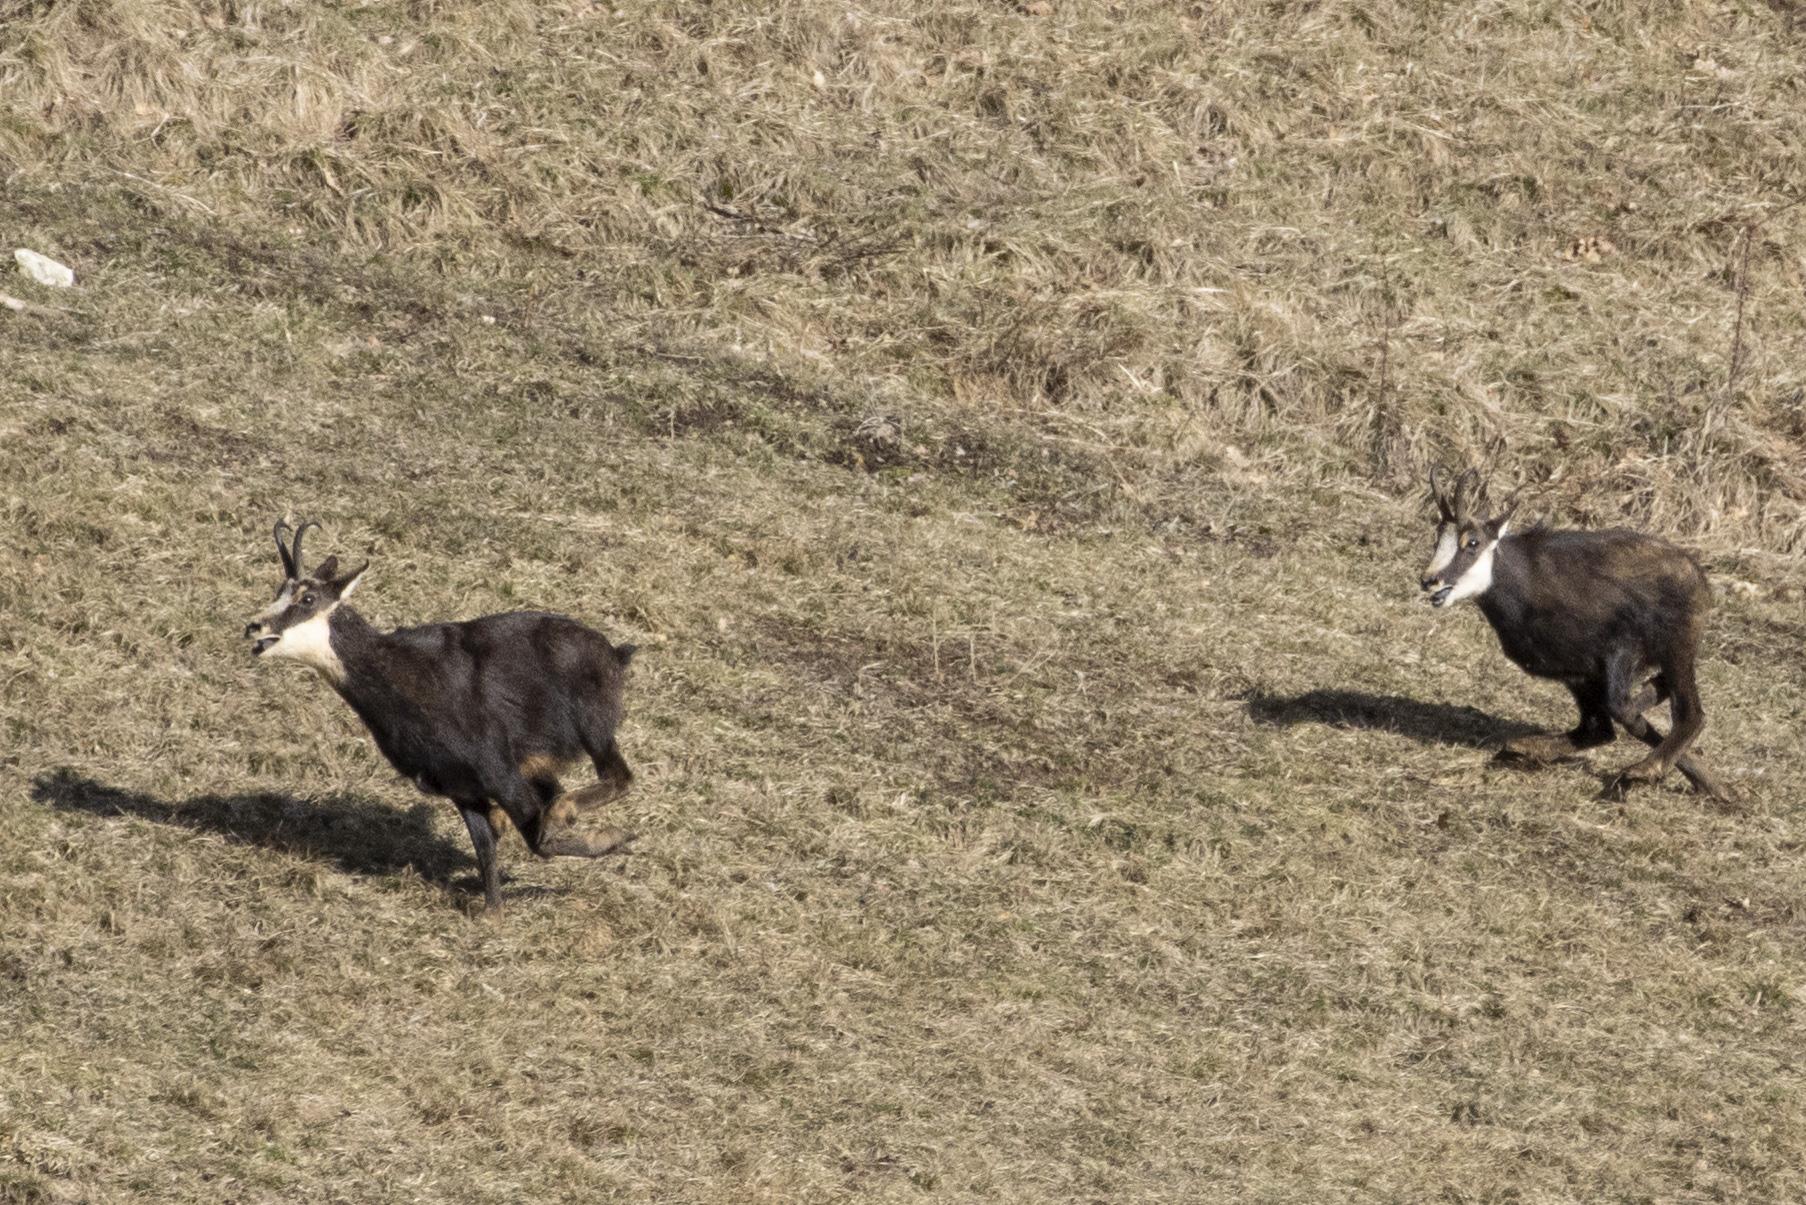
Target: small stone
[44, 270]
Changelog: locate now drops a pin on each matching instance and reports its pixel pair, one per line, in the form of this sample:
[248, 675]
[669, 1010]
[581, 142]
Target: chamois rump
[485, 712]
[1615, 616]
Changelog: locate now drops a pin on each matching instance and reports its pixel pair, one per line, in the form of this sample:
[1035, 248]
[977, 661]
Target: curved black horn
[295, 548]
[1467, 491]
[288, 560]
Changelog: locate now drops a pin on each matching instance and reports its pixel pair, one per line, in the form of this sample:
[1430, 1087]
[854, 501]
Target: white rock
[44, 270]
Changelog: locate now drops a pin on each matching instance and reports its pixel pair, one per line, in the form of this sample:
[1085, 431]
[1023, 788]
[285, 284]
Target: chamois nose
[1428, 583]
[251, 629]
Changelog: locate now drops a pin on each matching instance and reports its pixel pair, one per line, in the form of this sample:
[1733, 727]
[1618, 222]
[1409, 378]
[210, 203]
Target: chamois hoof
[1716, 791]
[478, 908]
[1706, 783]
[613, 841]
[1724, 797]
[1640, 774]
[572, 845]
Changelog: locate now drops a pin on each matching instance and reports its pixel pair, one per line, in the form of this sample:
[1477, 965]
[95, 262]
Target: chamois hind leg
[551, 833]
[1677, 683]
[482, 836]
[1594, 728]
[1703, 780]
[613, 778]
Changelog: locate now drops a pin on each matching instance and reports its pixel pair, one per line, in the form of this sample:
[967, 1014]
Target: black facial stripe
[298, 612]
[1465, 556]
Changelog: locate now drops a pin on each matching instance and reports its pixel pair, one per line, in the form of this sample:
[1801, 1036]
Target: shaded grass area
[1430, 723]
[1049, 785]
[357, 836]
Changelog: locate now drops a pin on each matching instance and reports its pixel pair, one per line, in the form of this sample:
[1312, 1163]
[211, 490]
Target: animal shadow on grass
[1429, 723]
[357, 835]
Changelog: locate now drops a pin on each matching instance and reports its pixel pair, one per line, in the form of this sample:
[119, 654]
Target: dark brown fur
[485, 712]
[1615, 616]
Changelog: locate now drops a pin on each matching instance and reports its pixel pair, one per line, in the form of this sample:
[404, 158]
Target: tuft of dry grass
[1047, 787]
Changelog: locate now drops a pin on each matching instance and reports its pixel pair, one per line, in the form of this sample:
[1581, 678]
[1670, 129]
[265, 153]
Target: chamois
[485, 712]
[1595, 611]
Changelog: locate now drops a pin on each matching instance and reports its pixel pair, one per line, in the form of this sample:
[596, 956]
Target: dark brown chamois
[1597, 611]
[486, 712]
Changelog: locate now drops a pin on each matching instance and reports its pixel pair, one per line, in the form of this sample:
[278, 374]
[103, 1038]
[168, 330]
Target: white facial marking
[310, 643]
[1478, 578]
[1447, 544]
[278, 607]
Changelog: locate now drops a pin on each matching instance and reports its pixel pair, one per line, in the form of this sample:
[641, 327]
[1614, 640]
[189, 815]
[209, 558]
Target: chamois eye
[1473, 541]
[307, 600]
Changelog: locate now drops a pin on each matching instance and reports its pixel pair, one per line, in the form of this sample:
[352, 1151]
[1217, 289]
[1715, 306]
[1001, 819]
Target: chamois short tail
[624, 653]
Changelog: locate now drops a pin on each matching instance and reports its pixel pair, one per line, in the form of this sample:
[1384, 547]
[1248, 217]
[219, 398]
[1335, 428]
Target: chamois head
[297, 624]
[1466, 539]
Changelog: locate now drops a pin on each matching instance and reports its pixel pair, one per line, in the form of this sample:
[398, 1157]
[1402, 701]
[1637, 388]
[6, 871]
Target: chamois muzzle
[258, 633]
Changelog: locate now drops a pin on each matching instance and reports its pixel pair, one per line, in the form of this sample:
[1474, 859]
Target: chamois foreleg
[482, 836]
[613, 777]
[1594, 728]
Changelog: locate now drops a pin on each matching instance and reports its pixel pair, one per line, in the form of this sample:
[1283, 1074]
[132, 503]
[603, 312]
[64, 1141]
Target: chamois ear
[325, 569]
[1509, 508]
[351, 581]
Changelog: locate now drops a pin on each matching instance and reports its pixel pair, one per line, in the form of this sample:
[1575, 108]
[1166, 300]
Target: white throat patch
[310, 643]
[1478, 578]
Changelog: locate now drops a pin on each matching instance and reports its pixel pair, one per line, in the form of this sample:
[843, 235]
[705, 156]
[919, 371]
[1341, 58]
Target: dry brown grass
[1048, 788]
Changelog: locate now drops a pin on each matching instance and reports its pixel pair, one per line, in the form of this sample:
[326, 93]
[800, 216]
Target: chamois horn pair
[291, 552]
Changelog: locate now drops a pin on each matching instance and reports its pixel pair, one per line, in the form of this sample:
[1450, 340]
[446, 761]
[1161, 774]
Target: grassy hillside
[1003, 428]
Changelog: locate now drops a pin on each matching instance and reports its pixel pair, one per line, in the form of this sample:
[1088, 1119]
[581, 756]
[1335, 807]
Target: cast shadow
[354, 834]
[1428, 723]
